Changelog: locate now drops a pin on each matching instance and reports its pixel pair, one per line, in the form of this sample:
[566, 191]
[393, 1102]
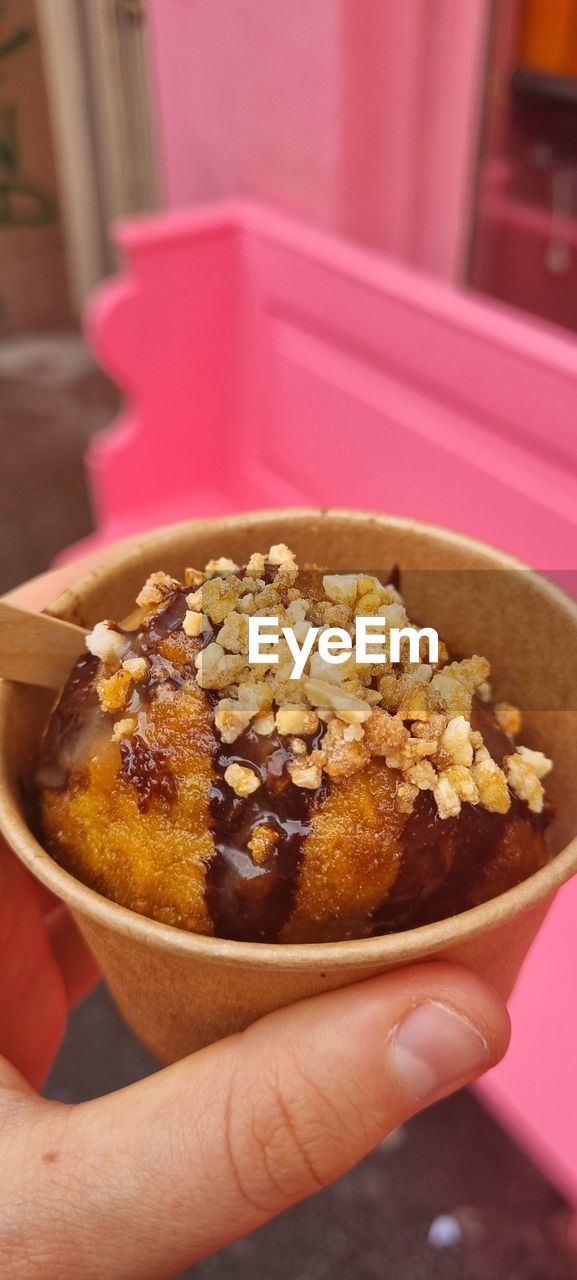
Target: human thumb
[147, 1180]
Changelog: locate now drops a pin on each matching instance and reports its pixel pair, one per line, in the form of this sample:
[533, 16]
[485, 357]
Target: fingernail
[434, 1047]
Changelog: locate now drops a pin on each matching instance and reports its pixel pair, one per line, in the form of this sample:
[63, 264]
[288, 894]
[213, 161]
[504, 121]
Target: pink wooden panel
[273, 356]
[268, 364]
[166, 335]
[533, 1090]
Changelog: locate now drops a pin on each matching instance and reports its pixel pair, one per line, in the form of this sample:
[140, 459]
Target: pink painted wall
[360, 115]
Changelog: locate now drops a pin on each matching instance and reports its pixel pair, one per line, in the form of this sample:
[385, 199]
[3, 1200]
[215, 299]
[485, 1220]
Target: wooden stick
[35, 648]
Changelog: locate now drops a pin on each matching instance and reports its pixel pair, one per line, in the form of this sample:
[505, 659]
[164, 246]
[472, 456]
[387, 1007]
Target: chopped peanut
[192, 623]
[242, 780]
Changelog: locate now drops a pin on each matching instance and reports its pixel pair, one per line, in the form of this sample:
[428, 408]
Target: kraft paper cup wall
[179, 991]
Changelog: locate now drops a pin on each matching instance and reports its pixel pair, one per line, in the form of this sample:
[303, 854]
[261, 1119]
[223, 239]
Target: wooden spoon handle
[35, 648]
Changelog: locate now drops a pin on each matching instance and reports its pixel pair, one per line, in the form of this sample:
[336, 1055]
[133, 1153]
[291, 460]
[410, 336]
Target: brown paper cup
[179, 991]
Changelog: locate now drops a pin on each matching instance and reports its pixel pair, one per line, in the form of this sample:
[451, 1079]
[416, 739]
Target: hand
[149, 1179]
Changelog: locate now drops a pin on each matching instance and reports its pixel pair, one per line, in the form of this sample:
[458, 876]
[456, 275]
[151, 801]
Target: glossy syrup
[249, 899]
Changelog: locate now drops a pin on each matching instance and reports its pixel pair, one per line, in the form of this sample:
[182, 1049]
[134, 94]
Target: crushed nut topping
[222, 565]
[262, 843]
[307, 772]
[242, 780]
[155, 590]
[280, 554]
[334, 717]
[296, 719]
[114, 691]
[137, 668]
[107, 643]
[508, 718]
[124, 728]
[524, 777]
[193, 623]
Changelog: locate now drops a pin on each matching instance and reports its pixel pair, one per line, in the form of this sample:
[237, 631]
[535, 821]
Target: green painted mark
[17, 40]
[23, 202]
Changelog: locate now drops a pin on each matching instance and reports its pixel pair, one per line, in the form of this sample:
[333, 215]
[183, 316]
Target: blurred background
[442, 133]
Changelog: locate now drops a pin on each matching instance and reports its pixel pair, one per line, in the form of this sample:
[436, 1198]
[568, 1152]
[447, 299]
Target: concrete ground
[450, 1197]
[52, 399]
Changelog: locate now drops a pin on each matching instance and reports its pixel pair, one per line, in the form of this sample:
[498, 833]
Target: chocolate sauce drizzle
[144, 644]
[77, 705]
[147, 768]
[144, 765]
[444, 861]
[78, 708]
[249, 900]
[444, 858]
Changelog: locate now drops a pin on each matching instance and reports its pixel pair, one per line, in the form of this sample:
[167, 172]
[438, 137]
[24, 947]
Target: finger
[78, 970]
[148, 1180]
[33, 1003]
[76, 963]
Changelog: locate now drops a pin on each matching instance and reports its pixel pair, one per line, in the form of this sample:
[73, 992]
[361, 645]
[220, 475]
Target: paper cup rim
[401, 947]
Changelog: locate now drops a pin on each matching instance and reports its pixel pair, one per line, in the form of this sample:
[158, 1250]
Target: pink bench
[266, 364]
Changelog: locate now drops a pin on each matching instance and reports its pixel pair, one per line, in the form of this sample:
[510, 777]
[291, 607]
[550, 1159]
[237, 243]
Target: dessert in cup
[234, 834]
